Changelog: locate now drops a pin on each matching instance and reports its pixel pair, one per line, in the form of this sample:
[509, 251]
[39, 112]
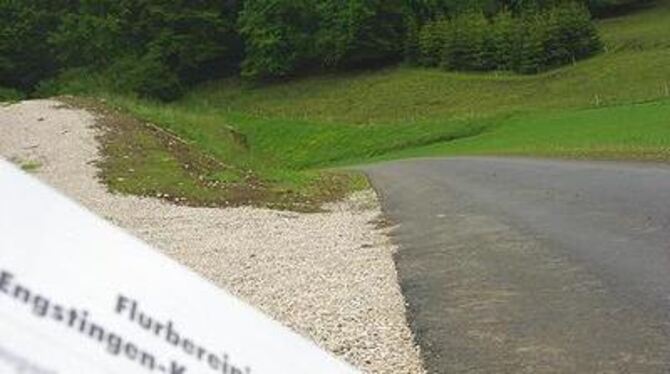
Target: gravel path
[330, 276]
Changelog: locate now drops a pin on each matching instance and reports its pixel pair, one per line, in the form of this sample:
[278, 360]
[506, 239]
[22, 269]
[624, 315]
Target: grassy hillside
[276, 139]
[634, 69]
[624, 132]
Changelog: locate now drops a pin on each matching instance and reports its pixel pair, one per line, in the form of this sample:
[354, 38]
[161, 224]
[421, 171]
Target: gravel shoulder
[330, 275]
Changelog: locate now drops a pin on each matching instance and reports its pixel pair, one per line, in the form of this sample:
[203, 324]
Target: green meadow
[284, 144]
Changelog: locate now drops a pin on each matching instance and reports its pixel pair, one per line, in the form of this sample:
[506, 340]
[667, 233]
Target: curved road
[533, 266]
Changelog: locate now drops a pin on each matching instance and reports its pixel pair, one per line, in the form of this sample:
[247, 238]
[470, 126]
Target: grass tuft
[30, 166]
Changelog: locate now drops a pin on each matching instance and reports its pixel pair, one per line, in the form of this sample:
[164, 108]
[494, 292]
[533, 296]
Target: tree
[158, 48]
[571, 34]
[378, 29]
[528, 42]
[505, 36]
[532, 58]
[182, 41]
[278, 36]
[433, 41]
[411, 48]
[282, 36]
[466, 45]
[25, 58]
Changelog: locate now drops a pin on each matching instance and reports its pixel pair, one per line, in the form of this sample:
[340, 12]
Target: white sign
[78, 295]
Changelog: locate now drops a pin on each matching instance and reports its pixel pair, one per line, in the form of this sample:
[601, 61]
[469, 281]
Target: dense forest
[158, 48]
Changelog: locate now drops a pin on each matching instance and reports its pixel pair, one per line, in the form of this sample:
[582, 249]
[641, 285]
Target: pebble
[306, 270]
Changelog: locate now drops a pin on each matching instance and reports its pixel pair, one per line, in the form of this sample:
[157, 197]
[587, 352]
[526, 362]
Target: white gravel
[330, 276]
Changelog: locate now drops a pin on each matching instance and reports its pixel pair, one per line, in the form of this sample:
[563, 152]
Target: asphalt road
[533, 266]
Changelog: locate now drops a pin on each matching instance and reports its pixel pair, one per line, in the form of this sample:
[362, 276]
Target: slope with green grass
[282, 136]
[634, 69]
[626, 132]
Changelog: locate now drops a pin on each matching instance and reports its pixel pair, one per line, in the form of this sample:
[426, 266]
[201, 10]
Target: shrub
[76, 81]
[91, 36]
[282, 36]
[147, 76]
[141, 76]
[411, 48]
[505, 38]
[277, 35]
[468, 47]
[432, 41]
[378, 31]
[9, 94]
[572, 36]
[181, 41]
[529, 42]
[178, 43]
[25, 58]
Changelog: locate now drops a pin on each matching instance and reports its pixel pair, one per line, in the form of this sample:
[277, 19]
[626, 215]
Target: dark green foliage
[432, 39]
[25, 58]
[8, 94]
[186, 37]
[570, 35]
[378, 30]
[158, 48]
[530, 42]
[92, 35]
[282, 36]
[532, 57]
[152, 47]
[605, 8]
[412, 51]
[467, 46]
[147, 76]
[505, 38]
[278, 34]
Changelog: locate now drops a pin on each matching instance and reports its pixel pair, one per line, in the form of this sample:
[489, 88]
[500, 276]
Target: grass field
[626, 132]
[275, 144]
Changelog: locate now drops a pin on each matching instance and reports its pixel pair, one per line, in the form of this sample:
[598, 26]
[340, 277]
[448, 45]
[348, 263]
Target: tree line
[158, 48]
[528, 42]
